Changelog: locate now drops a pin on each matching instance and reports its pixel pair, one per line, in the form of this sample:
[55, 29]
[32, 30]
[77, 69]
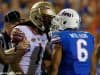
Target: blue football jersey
[76, 53]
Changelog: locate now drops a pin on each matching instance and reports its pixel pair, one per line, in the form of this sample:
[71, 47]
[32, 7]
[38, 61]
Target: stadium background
[89, 11]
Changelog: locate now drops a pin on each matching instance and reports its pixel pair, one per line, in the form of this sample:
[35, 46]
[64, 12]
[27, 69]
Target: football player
[41, 15]
[73, 50]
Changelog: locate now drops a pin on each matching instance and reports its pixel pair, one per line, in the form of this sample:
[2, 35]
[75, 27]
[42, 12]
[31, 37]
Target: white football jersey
[35, 41]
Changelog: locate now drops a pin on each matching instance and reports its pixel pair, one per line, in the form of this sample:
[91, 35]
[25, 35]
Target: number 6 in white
[82, 53]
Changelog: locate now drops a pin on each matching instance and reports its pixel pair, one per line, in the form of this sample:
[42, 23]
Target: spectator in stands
[58, 4]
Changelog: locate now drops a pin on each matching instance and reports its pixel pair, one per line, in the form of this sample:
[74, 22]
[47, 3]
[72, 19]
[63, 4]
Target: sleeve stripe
[55, 39]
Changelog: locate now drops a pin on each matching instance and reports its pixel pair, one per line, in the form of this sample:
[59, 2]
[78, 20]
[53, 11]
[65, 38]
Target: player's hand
[10, 51]
[24, 44]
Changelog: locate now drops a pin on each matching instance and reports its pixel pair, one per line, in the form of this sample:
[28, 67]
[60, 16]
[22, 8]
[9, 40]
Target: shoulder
[88, 33]
[21, 27]
[16, 30]
[17, 34]
[90, 36]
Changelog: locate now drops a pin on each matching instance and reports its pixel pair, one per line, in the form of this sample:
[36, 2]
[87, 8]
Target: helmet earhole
[64, 22]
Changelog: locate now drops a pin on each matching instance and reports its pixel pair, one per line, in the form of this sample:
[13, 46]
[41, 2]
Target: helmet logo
[67, 14]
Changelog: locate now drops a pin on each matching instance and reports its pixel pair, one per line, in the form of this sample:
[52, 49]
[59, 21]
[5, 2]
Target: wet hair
[29, 23]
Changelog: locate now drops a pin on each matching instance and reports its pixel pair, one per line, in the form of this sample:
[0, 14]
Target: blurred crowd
[89, 11]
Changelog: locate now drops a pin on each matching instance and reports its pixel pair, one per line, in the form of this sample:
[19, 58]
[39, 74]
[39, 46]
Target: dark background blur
[89, 11]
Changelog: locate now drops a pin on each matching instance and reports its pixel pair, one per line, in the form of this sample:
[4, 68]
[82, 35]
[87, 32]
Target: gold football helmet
[41, 15]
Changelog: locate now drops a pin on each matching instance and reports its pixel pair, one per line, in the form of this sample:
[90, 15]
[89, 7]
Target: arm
[47, 58]
[95, 59]
[10, 58]
[14, 58]
[10, 51]
[98, 52]
[56, 59]
[93, 65]
[20, 51]
[17, 37]
[3, 56]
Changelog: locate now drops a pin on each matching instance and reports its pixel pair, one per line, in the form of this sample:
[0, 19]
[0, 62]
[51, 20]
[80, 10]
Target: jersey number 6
[82, 53]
